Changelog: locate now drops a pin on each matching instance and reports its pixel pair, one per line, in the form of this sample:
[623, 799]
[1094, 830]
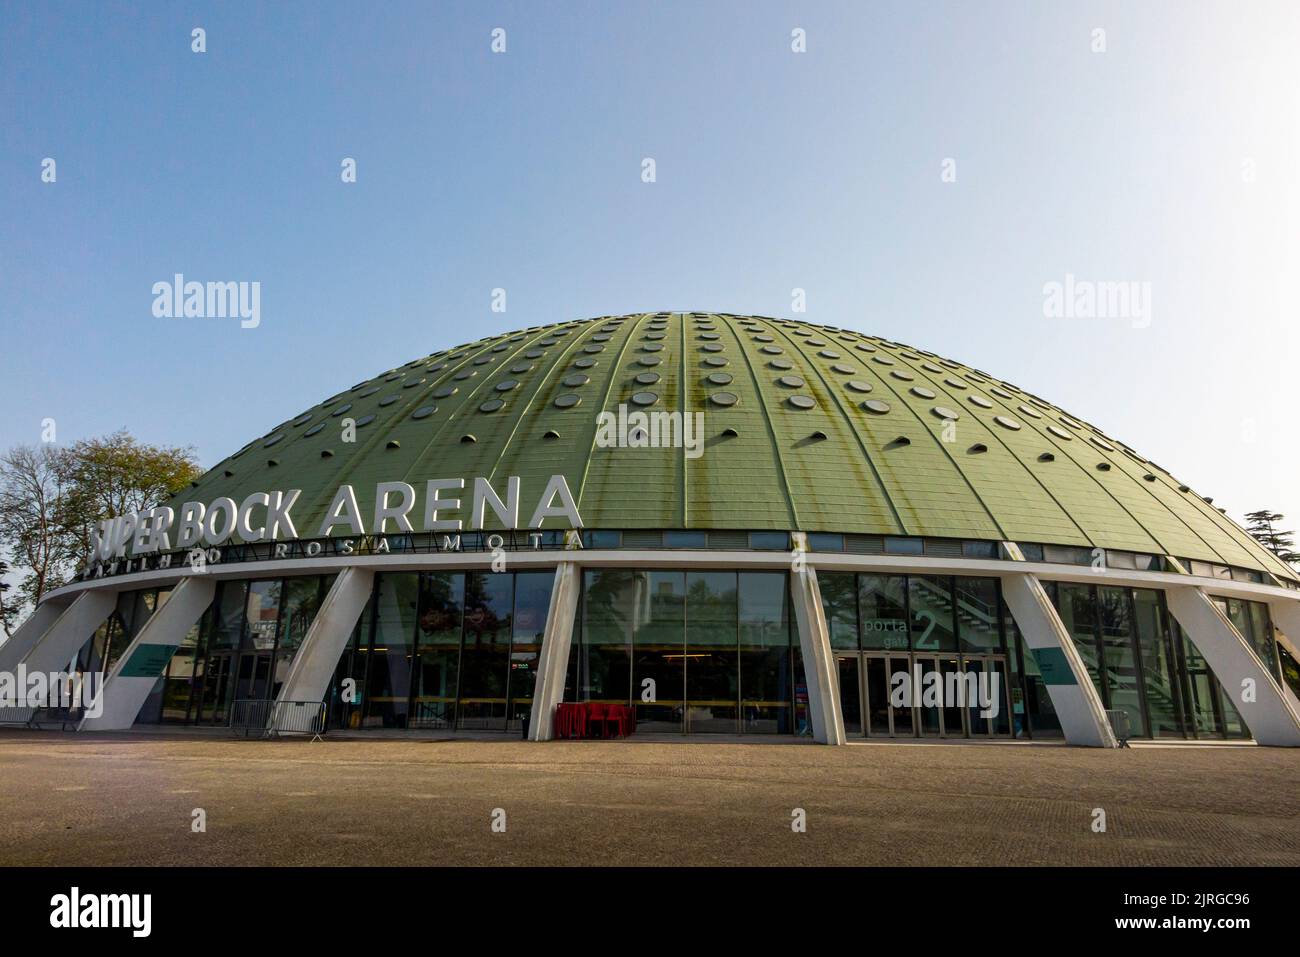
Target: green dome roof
[806, 427]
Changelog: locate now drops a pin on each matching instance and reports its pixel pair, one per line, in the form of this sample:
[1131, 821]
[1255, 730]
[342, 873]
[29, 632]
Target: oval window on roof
[802, 401]
[644, 398]
[876, 406]
[424, 411]
[979, 400]
[724, 398]
[568, 400]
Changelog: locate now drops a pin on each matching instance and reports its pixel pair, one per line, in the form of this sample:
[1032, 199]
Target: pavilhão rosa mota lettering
[268, 516]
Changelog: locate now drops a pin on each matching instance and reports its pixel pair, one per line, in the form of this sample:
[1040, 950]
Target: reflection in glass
[765, 637]
[840, 606]
[437, 650]
[1158, 671]
[602, 663]
[388, 677]
[658, 647]
[712, 665]
[485, 651]
[977, 615]
[882, 600]
[532, 601]
[1122, 684]
[932, 621]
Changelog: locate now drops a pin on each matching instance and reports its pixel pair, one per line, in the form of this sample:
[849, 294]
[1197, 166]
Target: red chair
[562, 720]
[577, 720]
[617, 716]
[597, 715]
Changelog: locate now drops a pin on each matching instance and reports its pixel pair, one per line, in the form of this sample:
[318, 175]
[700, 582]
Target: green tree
[1263, 526]
[8, 612]
[110, 476]
[32, 481]
[52, 498]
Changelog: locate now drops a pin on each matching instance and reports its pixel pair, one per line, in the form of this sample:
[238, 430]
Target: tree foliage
[1264, 527]
[51, 499]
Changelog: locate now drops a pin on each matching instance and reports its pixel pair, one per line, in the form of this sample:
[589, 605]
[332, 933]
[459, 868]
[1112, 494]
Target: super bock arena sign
[441, 505]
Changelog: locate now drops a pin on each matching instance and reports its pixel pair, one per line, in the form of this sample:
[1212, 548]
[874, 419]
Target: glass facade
[694, 652]
[897, 635]
[1142, 663]
[444, 650]
[701, 651]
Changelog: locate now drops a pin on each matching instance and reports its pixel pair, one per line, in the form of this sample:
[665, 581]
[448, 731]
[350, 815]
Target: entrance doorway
[875, 701]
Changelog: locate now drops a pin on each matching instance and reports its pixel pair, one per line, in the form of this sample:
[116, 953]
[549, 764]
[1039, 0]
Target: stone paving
[129, 799]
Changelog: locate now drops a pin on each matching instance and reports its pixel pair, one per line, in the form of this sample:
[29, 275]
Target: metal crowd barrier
[299, 717]
[274, 718]
[1120, 725]
[34, 718]
[249, 715]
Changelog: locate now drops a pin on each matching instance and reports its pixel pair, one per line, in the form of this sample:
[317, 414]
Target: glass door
[925, 672]
[850, 694]
[901, 717]
[952, 698]
[877, 700]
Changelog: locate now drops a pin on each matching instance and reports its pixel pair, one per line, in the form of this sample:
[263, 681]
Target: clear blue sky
[776, 170]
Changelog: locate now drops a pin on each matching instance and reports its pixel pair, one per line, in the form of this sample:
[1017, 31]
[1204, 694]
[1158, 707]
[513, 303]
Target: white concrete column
[1285, 613]
[70, 630]
[553, 662]
[327, 638]
[818, 661]
[30, 632]
[1074, 696]
[1255, 693]
[138, 668]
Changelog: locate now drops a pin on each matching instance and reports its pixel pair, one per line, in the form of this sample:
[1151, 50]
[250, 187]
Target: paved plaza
[130, 798]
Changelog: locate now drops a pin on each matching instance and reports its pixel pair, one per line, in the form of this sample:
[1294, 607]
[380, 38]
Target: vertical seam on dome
[760, 398]
[1060, 447]
[349, 462]
[609, 387]
[465, 400]
[543, 377]
[682, 400]
[834, 393]
[956, 400]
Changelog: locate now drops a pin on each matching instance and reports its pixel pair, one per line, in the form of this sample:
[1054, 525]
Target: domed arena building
[728, 524]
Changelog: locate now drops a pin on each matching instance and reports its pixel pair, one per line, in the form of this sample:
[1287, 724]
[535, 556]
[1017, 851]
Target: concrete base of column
[1074, 697]
[1255, 693]
[553, 662]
